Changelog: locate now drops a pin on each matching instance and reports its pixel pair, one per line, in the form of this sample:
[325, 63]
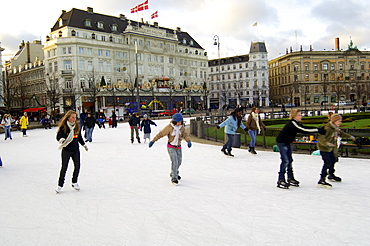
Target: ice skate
[174, 181]
[229, 154]
[282, 184]
[334, 178]
[252, 151]
[223, 150]
[75, 186]
[293, 182]
[58, 189]
[323, 184]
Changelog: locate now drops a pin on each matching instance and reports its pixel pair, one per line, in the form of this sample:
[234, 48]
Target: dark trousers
[286, 165]
[66, 155]
[229, 143]
[329, 161]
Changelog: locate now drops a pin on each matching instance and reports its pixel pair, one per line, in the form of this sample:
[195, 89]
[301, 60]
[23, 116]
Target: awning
[34, 109]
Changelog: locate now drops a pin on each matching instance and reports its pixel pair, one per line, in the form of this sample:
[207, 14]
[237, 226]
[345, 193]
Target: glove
[141, 129]
[138, 127]
[155, 124]
[130, 127]
[189, 144]
[321, 130]
[246, 129]
[85, 147]
[151, 144]
[62, 140]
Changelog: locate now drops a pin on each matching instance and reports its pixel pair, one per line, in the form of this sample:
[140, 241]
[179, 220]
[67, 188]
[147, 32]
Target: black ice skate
[334, 178]
[229, 154]
[293, 182]
[323, 184]
[174, 181]
[282, 184]
[252, 151]
[224, 151]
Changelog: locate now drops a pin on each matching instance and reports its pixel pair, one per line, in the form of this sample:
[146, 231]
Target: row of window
[234, 66]
[235, 75]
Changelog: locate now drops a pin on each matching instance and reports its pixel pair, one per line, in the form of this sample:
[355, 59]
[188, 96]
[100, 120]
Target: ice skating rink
[127, 198]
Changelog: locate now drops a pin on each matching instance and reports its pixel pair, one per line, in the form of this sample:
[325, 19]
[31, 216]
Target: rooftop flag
[140, 7]
[154, 15]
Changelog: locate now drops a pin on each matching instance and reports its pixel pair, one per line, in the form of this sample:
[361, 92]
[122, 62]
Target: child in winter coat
[69, 137]
[233, 122]
[6, 122]
[175, 131]
[146, 125]
[328, 145]
[283, 140]
[254, 125]
[24, 124]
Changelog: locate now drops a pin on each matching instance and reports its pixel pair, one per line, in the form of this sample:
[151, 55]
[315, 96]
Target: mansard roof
[76, 18]
[229, 60]
[258, 47]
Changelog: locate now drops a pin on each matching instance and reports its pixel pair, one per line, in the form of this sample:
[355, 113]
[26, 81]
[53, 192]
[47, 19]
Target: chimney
[90, 10]
[155, 24]
[311, 47]
[337, 48]
[63, 11]
[178, 29]
[142, 20]
[122, 17]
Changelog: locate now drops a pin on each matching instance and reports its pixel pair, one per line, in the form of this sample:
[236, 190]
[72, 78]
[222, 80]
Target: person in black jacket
[283, 140]
[69, 137]
[90, 122]
[135, 125]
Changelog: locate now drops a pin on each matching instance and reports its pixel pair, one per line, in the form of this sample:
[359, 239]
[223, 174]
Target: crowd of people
[70, 135]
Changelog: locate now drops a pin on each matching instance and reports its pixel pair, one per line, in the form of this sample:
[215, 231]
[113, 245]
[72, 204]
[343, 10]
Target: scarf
[70, 135]
[255, 118]
[176, 132]
[336, 136]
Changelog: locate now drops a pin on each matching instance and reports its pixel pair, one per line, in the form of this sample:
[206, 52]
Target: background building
[240, 80]
[1, 79]
[97, 61]
[319, 78]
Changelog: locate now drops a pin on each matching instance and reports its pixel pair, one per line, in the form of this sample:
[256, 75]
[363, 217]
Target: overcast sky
[281, 23]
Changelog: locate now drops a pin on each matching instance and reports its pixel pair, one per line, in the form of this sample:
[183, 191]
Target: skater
[254, 125]
[146, 125]
[24, 124]
[175, 131]
[101, 121]
[328, 145]
[114, 119]
[68, 136]
[83, 117]
[90, 122]
[46, 122]
[283, 140]
[6, 122]
[135, 126]
[233, 122]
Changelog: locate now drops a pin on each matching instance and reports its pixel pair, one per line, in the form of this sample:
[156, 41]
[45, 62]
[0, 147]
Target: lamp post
[216, 39]
[137, 80]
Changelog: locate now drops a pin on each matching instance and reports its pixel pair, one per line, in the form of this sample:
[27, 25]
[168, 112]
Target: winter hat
[145, 116]
[177, 117]
[25, 114]
[335, 117]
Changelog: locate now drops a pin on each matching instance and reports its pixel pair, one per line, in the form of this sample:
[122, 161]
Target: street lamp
[216, 39]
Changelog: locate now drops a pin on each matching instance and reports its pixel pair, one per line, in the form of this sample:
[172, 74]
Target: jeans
[65, 159]
[285, 151]
[176, 159]
[89, 132]
[329, 161]
[252, 134]
[8, 133]
[229, 143]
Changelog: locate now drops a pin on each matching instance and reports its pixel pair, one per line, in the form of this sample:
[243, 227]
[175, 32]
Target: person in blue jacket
[233, 122]
[146, 125]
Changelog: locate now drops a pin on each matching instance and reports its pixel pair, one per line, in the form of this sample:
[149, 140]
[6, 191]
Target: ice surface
[127, 198]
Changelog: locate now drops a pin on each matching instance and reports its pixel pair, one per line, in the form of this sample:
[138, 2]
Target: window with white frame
[100, 25]
[108, 67]
[89, 51]
[81, 50]
[107, 53]
[89, 65]
[67, 64]
[101, 67]
[100, 52]
[82, 82]
[82, 65]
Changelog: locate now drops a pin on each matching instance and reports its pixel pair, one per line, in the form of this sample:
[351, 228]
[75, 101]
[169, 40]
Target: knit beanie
[335, 117]
[177, 117]
[145, 116]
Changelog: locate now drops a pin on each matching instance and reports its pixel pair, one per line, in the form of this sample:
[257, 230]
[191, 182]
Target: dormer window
[114, 28]
[100, 25]
[60, 22]
[191, 42]
[87, 23]
[184, 41]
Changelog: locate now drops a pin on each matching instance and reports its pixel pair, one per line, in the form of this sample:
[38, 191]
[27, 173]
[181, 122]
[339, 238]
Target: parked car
[188, 111]
[289, 105]
[343, 103]
[168, 112]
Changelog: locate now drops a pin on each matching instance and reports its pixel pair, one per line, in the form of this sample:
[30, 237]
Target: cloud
[10, 42]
